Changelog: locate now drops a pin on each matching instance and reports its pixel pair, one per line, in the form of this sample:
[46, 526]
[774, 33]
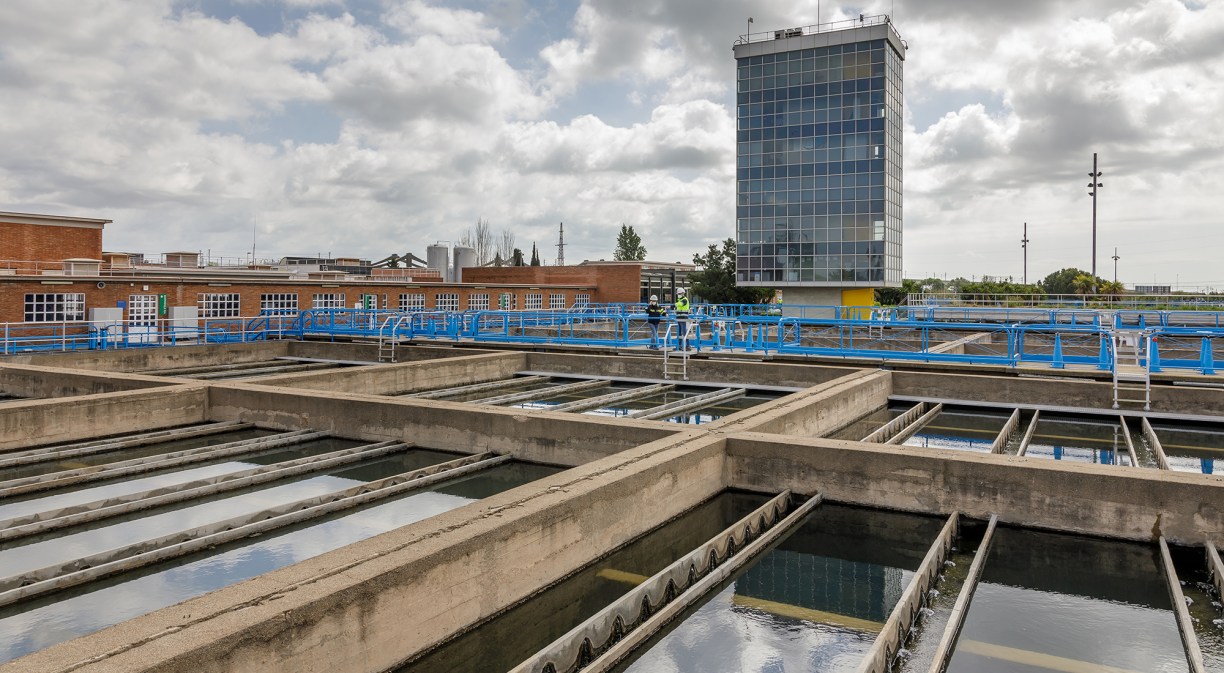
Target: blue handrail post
[1206, 359]
[1154, 356]
[1104, 361]
[1058, 353]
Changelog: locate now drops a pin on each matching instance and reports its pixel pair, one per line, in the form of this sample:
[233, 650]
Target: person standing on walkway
[682, 318]
[654, 315]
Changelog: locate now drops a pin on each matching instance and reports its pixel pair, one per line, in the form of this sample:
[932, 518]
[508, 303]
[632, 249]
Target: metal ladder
[387, 338]
[1134, 375]
[675, 360]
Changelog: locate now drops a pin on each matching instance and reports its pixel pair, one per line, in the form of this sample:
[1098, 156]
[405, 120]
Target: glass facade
[819, 155]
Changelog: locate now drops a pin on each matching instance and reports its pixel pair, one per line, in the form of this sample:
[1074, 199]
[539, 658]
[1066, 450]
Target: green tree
[628, 245]
[1112, 287]
[896, 296]
[535, 255]
[1061, 281]
[1084, 284]
[715, 282]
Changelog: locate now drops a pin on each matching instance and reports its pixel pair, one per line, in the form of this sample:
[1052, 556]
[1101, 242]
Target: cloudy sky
[366, 127]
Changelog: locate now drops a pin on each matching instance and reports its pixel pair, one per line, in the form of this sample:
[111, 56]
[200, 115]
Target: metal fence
[1055, 338]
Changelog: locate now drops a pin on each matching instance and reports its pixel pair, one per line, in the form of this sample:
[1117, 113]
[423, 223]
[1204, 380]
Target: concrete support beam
[543, 393]
[369, 606]
[689, 404]
[1091, 499]
[45, 382]
[913, 428]
[958, 346]
[613, 398]
[1149, 433]
[1028, 434]
[1215, 567]
[506, 384]
[1008, 429]
[883, 652]
[38, 422]
[1185, 625]
[890, 429]
[261, 371]
[62, 451]
[943, 652]
[557, 439]
[817, 411]
[715, 369]
[406, 377]
[1130, 443]
[142, 359]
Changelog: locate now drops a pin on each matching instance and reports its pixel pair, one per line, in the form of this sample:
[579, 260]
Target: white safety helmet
[654, 297]
[680, 291]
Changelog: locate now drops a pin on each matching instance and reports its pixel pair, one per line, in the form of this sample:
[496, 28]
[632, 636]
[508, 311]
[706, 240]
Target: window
[328, 300]
[556, 301]
[142, 309]
[446, 301]
[54, 307]
[534, 302]
[582, 299]
[412, 302]
[478, 302]
[278, 303]
[219, 304]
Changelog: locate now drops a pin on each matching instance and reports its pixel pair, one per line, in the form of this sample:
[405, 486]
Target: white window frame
[556, 300]
[412, 301]
[446, 301]
[219, 304]
[478, 301]
[142, 310]
[54, 307]
[582, 299]
[278, 302]
[534, 301]
[327, 300]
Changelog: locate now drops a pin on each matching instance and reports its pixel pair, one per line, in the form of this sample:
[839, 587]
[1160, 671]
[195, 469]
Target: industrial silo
[464, 257]
[438, 257]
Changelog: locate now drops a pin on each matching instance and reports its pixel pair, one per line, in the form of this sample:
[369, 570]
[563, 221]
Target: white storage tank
[464, 257]
[437, 256]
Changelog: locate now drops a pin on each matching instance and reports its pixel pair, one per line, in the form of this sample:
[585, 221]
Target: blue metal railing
[1056, 338]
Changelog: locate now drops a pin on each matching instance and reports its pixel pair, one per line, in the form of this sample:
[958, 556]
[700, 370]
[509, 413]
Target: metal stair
[675, 360]
[1132, 375]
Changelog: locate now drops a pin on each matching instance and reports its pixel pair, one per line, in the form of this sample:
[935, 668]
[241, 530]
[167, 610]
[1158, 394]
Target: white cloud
[184, 127]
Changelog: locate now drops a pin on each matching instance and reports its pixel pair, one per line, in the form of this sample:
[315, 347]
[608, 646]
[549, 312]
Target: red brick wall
[185, 293]
[46, 243]
[612, 283]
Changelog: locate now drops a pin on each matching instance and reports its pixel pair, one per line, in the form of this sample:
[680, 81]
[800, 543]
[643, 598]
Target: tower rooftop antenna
[561, 246]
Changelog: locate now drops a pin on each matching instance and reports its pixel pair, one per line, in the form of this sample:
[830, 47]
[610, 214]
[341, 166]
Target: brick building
[28, 242]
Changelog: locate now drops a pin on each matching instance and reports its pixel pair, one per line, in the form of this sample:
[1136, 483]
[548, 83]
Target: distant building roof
[53, 220]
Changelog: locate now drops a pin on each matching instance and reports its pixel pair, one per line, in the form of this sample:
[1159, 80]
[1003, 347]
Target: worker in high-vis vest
[682, 318]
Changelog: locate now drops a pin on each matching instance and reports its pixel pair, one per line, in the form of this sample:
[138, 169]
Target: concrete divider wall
[45, 382]
[555, 438]
[169, 357]
[816, 411]
[37, 422]
[329, 350]
[713, 369]
[1035, 390]
[407, 376]
[369, 606]
[1093, 499]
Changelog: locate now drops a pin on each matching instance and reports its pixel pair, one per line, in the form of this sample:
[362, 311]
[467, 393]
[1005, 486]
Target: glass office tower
[819, 160]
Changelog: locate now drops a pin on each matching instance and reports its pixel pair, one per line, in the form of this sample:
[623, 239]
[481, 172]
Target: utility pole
[1024, 244]
[1093, 187]
[1115, 259]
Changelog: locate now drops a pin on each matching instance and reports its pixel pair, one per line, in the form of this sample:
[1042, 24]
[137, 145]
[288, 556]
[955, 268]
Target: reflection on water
[1058, 602]
[863, 427]
[120, 455]
[1206, 612]
[522, 631]
[1191, 448]
[40, 623]
[966, 431]
[1080, 440]
[64, 497]
[814, 603]
[62, 547]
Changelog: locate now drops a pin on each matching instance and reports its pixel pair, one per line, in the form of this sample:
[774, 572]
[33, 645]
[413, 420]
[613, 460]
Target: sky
[371, 127]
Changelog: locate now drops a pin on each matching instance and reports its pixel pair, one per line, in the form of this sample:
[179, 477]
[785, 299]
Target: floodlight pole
[1094, 185]
[1024, 244]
